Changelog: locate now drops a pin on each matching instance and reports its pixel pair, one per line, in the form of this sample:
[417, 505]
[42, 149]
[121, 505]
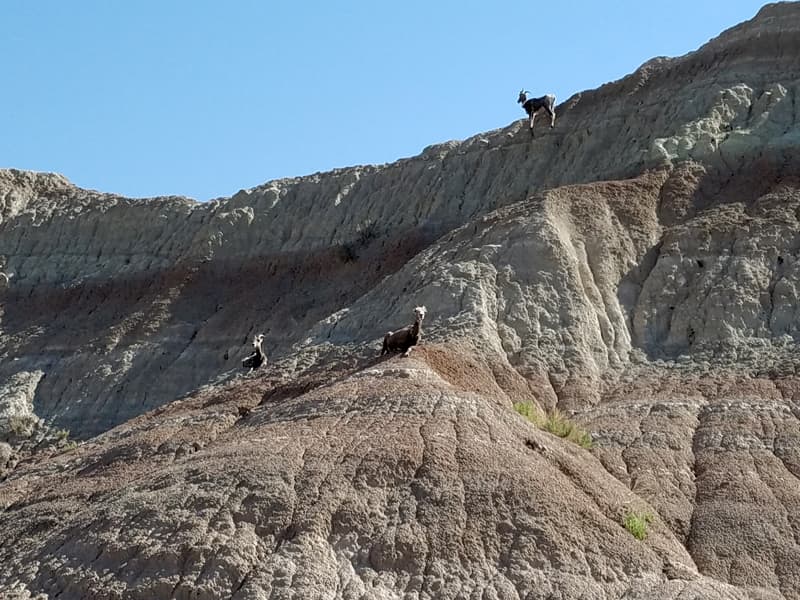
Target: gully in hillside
[404, 339]
[534, 105]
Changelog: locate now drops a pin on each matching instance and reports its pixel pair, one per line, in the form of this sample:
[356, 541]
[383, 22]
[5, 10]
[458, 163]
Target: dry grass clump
[555, 422]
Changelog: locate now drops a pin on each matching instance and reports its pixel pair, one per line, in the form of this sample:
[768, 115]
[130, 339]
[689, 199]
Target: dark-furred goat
[404, 339]
[534, 105]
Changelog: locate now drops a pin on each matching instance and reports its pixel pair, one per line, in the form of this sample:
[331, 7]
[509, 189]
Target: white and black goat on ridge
[534, 105]
[257, 358]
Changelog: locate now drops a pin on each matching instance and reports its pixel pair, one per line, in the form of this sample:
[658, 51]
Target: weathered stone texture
[635, 267]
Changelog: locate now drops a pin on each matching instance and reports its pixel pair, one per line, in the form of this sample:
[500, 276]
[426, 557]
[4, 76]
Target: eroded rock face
[126, 304]
[716, 453]
[634, 267]
[391, 483]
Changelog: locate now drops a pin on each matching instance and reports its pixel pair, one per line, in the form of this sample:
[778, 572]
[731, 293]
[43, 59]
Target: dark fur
[404, 339]
[534, 105]
[257, 358]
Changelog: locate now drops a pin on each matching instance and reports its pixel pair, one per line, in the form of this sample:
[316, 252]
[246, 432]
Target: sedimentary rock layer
[635, 267]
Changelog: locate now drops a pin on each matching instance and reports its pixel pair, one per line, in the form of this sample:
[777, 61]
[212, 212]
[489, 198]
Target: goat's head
[257, 340]
[523, 96]
[419, 313]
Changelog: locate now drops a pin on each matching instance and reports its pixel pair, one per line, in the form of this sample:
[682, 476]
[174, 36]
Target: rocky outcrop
[120, 273]
[635, 267]
[718, 455]
[126, 304]
[16, 404]
[390, 483]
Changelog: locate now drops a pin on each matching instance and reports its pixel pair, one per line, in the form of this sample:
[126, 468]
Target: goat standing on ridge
[405, 338]
[534, 105]
[257, 358]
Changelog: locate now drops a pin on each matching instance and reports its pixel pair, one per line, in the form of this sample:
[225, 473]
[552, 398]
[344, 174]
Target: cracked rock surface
[636, 268]
[390, 482]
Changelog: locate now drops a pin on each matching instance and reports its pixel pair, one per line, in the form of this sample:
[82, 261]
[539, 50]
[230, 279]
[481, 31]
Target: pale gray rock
[120, 271]
[17, 417]
[635, 267]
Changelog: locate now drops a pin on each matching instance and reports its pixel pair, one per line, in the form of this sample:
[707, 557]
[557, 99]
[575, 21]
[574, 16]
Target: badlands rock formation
[636, 267]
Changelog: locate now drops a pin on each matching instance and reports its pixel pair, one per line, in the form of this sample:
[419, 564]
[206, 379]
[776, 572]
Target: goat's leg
[530, 123]
[385, 348]
[407, 352]
[552, 113]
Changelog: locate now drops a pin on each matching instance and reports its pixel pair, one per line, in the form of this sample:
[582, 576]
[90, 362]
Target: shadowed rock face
[635, 267]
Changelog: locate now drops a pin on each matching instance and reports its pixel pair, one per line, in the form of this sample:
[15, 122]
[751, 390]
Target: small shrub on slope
[637, 523]
[555, 422]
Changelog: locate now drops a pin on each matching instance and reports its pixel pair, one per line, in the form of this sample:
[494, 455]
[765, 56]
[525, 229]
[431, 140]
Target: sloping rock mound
[717, 453]
[390, 482]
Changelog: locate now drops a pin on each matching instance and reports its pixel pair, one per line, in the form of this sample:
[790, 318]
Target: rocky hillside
[635, 268]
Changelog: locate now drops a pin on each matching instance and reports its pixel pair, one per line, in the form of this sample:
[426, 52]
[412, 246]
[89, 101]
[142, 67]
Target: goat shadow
[321, 376]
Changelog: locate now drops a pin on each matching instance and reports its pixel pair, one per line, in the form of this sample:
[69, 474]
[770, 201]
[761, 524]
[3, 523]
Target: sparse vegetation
[527, 411]
[22, 425]
[63, 441]
[555, 422]
[366, 233]
[637, 523]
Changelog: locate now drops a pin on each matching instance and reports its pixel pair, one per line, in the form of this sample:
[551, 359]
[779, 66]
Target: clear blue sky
[202, 98]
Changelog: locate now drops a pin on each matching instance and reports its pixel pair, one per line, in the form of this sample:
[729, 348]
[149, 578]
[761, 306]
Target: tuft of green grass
[527, 411]
[555, 422]
[62, 435]
[637, 523]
